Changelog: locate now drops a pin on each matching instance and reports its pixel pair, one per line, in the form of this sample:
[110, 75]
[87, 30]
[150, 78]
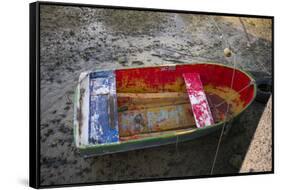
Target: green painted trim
[141, 144]
[75, 101]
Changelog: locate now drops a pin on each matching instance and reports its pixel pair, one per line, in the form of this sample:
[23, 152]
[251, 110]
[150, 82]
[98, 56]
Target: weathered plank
[200, 107]
[155, 119]
[103, 122]
[136, 101]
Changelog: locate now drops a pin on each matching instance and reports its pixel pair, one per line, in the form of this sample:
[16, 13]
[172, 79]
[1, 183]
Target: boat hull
[137, 80]
[146, 142]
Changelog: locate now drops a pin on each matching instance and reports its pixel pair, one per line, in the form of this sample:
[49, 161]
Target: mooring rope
[226, 118]
[232, 81]
[231, 86]
[242, 89]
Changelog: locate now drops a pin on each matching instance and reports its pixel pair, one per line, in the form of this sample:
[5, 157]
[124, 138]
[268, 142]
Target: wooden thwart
[136, 101]
[155, 119]
[199, 103]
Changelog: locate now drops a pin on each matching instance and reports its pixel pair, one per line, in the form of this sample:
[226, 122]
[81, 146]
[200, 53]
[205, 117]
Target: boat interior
[153, 101]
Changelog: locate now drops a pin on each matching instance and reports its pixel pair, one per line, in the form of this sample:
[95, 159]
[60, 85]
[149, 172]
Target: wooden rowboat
[136, 108]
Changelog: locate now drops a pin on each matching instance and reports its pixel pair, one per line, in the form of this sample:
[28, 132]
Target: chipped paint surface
[226, 95]
[103, 123]
[146, 116]
[155, 119]
[154, 79]
[199, 103]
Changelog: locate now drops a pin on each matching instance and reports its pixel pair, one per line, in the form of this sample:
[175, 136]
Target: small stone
[122, 60]
[71, 33]
[251, 170]
[67, 108]
[137, 63]
[227, 52]
[49, 132]
[53, 144]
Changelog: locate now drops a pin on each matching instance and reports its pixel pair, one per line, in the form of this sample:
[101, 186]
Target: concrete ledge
[259, 155]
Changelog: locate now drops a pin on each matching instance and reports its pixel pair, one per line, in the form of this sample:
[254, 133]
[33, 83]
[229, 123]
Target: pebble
[53, 144]
[72, 33]
[227, 52]
[122, 59]
[137, 63]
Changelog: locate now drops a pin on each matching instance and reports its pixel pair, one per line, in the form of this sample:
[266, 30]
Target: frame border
[34, 92]
[34, 95]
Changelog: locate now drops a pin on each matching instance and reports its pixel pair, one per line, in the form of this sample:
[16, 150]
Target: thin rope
[232, 81]
[226, 118]
[220, 31]
[242, 89]
[212, 105]
[249, 44]
[245, 30]
[231, 85]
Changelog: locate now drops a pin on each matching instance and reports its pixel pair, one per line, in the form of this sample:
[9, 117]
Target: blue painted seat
[103, 121]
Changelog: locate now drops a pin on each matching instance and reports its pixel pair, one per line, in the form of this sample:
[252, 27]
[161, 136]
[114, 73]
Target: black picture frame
[34, 93]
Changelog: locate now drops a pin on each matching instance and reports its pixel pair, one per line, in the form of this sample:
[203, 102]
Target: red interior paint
[165, 79]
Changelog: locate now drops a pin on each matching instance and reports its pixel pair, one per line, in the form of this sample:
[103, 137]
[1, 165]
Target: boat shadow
[186, 159]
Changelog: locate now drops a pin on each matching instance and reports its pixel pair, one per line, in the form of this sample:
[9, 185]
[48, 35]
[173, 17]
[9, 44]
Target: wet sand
[74, 40]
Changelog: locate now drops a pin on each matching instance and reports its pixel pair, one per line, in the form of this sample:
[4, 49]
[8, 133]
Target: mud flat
[75, 39]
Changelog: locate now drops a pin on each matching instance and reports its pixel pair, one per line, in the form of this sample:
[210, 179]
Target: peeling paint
[103, 127]
[199, 103]
[155, 119]
[225, 95]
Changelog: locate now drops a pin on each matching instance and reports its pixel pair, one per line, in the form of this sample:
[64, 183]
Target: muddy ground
[73, 40]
